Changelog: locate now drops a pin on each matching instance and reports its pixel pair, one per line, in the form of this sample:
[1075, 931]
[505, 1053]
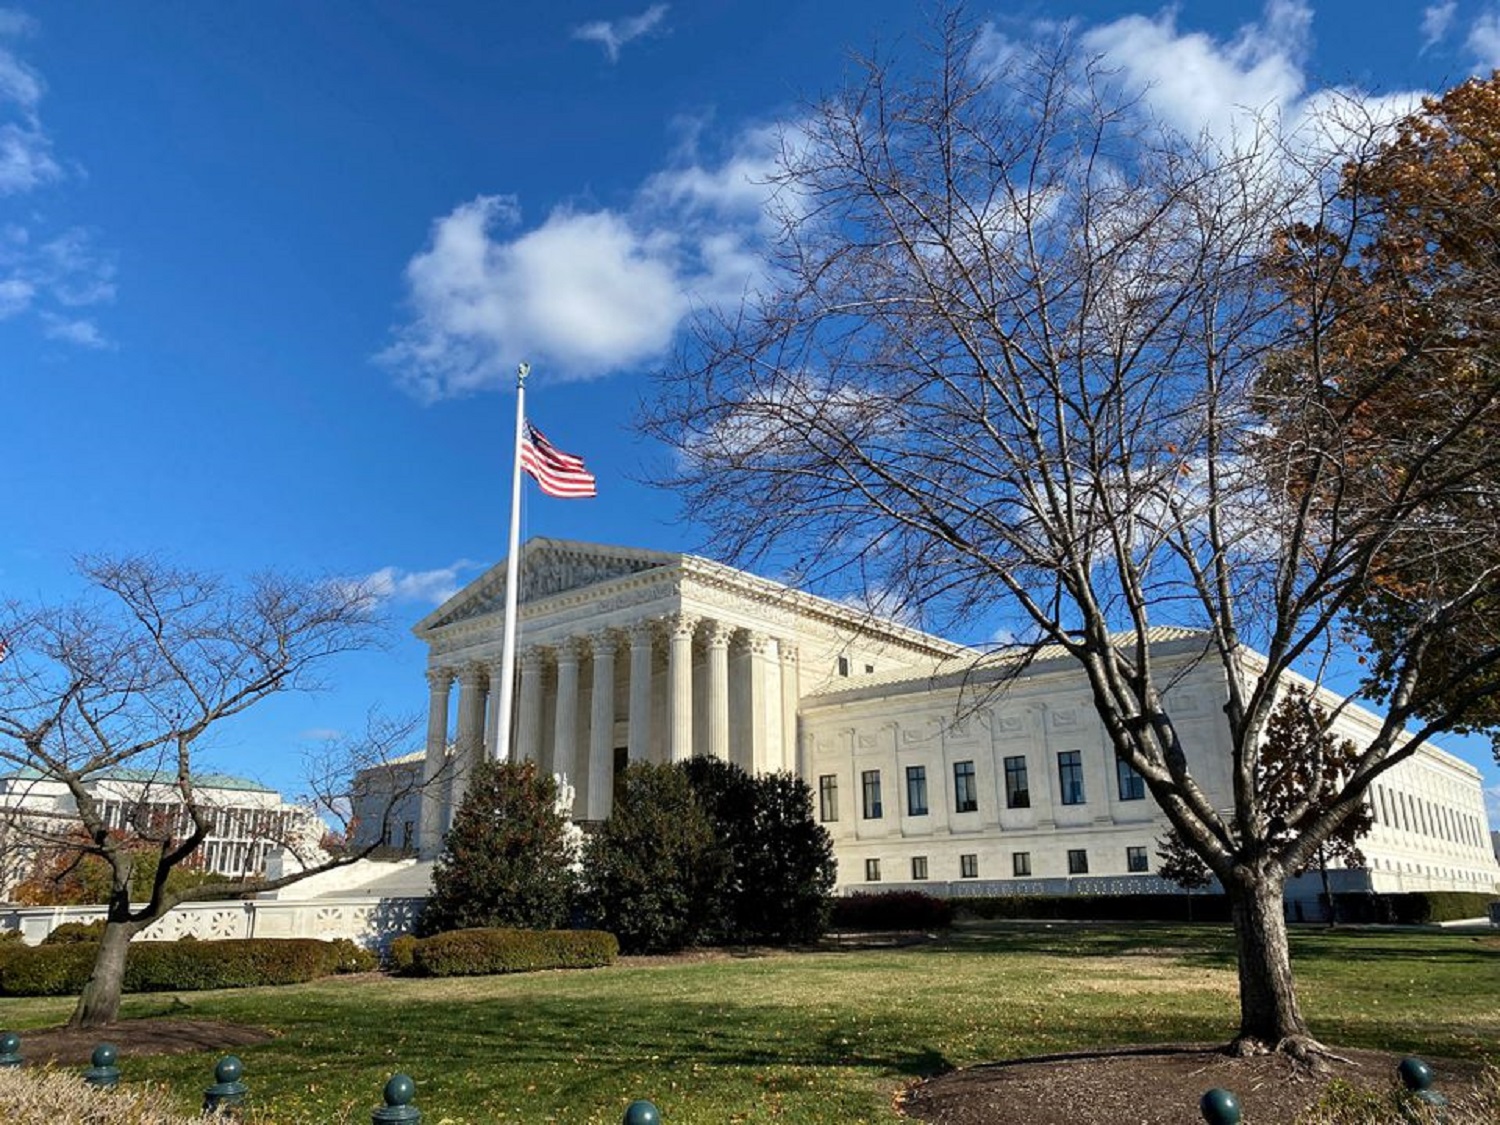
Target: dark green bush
[483, 952]
[9, 937]
[156, 966]
[401, 955]
[70, 933]
[1412, 908]
[506, 861]
[892, 910]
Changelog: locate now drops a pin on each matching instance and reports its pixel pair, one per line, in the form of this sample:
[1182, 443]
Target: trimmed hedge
[459, 953]
[1413, 908]
[71, 933]
[182, 966]
[891, 910]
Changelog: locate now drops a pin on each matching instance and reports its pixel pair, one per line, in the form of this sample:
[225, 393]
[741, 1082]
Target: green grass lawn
[809, 1037]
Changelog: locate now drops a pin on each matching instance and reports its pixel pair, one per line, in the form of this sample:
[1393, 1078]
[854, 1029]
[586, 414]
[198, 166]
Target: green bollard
[1416, 1076]
[227, 1092]
[10, 1049]
[641, 1113]
[103, 1072]
[1220, 1107]
[398, 1110]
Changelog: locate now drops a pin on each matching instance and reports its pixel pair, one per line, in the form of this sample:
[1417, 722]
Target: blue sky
[264, 269]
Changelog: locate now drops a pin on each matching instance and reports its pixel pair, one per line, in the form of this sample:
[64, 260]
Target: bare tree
[1009, 350]
[134, 676]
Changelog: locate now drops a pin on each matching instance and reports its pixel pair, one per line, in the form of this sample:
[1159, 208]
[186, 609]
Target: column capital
[533, 656]
[757, 643]
[569, 650]
[604, 642]
[473, 674]
[439, 679]
[680, 624]
[716, 633]
[788, 651]
[642, 633]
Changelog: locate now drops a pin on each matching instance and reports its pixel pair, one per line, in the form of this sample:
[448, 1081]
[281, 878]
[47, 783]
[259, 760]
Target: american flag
[558, 473]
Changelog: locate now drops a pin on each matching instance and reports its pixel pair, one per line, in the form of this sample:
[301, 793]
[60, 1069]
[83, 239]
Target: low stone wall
[372, 922]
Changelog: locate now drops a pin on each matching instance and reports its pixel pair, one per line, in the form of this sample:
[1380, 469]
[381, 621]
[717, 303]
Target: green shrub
[654, 869]
[892, 910]
[174, 966]
[482, 952]
[47, 970]
[507, 860]
[401, 955]
[1412, 908]
[70, 933]
[351, 957]
[10, 937]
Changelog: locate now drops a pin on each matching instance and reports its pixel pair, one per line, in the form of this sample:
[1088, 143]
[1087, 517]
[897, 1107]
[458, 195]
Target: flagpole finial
[522, 370]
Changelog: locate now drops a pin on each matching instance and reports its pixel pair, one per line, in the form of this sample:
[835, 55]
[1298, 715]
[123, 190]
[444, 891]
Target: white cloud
[391, 583]
[614, 34]
[84, 333]
[1203, 85]
[15, 296]
[587, 292]
[1484, 40]
[1436, 20]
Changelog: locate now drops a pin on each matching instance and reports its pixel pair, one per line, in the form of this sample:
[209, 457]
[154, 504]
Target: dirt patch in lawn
[71, 1046]
[1153, 1086]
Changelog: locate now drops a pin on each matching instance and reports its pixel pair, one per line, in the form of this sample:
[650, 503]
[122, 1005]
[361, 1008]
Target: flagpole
[512, 580]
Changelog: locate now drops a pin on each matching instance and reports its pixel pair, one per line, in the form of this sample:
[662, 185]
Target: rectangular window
[919, 867]
[968, 865]
[965, 791]
[1070, 777]
[871, 780]
[872, 871]
[828, 797]
[1078, 861]
[1132, 784]
[916, 790]
[1020, 864]
[1017, 791]
[1137, 860]
[843, 666]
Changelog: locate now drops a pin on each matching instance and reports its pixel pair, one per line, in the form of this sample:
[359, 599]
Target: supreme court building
[923, 770]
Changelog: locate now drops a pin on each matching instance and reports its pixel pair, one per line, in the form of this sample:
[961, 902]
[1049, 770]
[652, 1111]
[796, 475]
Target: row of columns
[772, 718]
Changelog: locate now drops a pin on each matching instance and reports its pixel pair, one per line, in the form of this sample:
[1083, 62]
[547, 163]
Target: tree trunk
[100, 1002]
[1270, 1019]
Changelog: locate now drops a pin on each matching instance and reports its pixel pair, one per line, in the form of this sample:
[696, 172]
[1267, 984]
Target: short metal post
[641, 1113]
[1219, 1107]
[227, 1092]
[398, 1110]
[103, 1072]
[10, 1049]
[1416, 1076]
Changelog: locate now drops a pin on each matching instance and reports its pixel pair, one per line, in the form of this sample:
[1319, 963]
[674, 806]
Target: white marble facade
[912, 754]
[632, 655]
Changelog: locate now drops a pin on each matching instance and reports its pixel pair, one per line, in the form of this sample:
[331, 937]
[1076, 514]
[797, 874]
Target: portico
[630, 655]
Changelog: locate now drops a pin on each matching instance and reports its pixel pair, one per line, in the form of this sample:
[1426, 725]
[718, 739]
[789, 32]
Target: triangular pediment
[548, 567]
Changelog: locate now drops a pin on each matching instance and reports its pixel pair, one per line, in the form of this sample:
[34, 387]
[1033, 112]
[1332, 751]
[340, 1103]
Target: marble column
[469, 744]
[492, 714]
[602, 727]
[763, 670]
[565, 729]
[791, 694]
[529, 725]
[642, 640]
[680, 685]
[430, 838]
[717, 635]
